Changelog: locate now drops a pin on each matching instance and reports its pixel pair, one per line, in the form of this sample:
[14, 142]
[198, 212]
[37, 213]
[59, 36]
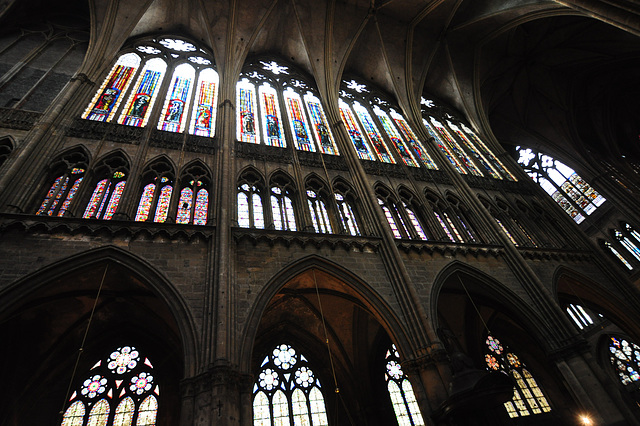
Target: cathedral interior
[319, 212]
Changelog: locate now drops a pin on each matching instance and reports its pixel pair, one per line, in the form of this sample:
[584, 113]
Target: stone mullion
[415, 318]
[32, 55]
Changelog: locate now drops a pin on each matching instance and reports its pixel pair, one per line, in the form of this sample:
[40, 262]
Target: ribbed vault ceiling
[532, 72]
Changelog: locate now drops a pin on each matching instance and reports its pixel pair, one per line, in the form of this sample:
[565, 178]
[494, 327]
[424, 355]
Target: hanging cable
[326, 337]
[84, 339]
[474, 305]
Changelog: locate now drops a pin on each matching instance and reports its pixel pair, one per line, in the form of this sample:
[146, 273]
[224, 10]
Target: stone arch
[571, 285]
[497, 292]
[48, 311]
[361, 289]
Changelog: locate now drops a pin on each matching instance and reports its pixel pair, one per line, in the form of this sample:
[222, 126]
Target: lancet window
[70, 171]
[188, 99]
[281, 205]
[109, 188]
[528, 399]
[346, 208]
[446, 221]
[316, 194]
[412, 211]
[193, 204]
[250, 205]
[579, 315]
[287, 391]
[392, 214]
[119, 390]
[400, 390]
[576, 197]
[157, 189]
[276, 104]
[375, 125]
[609, 247]
[466, 152]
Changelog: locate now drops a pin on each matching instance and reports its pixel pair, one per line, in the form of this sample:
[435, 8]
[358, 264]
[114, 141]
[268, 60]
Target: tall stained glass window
[374, 126]
[450, 146]
[105, 103]
[576, 197]
[191, 98]
[617, 255]
[528, 398]
[400, 390]
[287, 391]
[417, 226]
[61, 192]
[395, 221]
[318, 211]
[119, 390]
[627, 243]
[474, 141]
[193, 204]
[579, 315]
[276, 105]
[108, 190]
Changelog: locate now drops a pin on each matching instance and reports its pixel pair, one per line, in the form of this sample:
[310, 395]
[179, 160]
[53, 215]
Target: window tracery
[400, 390]
[358, 105]
[193, 204]
[576, 197]
[528, 398]
[118, 390]
[250, 204]
[318, 211]
[70, 174]
[392, 214]
[193, 81]
[281, 205]
[112, 175]
[287, 391]
[156, 192]
[267, 89]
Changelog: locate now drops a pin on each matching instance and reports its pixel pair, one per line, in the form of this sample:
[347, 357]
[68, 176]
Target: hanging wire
[474, 305]
[326, 337]
[84, 339]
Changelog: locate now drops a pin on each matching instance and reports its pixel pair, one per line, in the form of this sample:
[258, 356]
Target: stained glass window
[412, 140]
[497, 164]
[416, 223]
[318, 211]
[190, 211]
[107, 99]
[298, 121]
[106, 196]
[528, 398]
[625, 358]
[203, 116]
[445, 228]
[453, 159]
[174, 111]
[576, 197]
[117, 389]
[162, 208]
[140, 103]
[146, 199]
[319, 125]
[62, 191]
[158, 58]
[390, 219]
[347, 217]
[452, 145]
[250, 212]
[356, 136]
[287, 392]
[400, 390]
[271, 118]
[282, 210]
[394, 136]
[372, 133]
[247, 127]
[475, 152]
